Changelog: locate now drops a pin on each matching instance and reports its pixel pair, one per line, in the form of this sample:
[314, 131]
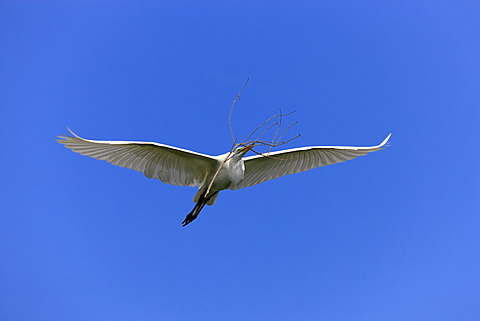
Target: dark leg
[196, 210]
[194, 213]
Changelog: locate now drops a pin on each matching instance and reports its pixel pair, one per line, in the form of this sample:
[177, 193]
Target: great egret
[182, 167]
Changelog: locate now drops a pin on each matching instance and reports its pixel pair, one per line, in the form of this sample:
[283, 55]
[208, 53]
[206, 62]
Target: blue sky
[390, 236]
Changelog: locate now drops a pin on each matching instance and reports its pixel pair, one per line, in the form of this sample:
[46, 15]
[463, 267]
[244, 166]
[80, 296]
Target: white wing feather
[259, 168]
[169, 164]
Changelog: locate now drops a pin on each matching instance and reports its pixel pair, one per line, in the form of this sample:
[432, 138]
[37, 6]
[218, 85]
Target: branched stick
[266, 125]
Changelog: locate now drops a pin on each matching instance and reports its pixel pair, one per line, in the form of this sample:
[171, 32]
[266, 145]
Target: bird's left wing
[169, 164]
[260, 168]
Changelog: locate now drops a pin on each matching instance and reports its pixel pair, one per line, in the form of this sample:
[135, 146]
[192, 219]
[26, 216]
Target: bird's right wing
[169, 164]
[261, 168]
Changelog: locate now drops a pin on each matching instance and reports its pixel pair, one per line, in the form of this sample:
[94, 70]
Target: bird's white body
[231, 171]
[211, 174]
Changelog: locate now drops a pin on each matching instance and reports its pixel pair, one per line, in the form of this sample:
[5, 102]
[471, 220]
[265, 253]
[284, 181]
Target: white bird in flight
[173, 165]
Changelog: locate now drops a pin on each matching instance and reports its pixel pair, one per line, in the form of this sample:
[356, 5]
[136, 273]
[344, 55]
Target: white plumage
[182, 167]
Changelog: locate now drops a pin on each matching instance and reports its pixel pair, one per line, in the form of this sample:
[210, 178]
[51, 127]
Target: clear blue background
[394, 235]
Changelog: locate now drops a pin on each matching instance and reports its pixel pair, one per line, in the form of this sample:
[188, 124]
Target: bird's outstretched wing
[169, 164]
[259, 169]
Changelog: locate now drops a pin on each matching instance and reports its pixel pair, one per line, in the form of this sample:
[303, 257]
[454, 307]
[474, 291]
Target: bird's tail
[201, 193]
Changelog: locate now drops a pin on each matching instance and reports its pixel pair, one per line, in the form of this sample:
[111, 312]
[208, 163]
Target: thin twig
[220, 167]
[278, 128]
[231, 109]
[217, 172]
[288, 128]
[259, 126]
[266, 129]
[265, 122]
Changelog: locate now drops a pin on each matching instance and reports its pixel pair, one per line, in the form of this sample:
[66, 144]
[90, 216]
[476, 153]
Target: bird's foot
[188, 219]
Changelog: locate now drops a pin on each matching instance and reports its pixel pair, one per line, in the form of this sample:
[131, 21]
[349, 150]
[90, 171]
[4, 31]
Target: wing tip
[385, 141]
[64, 139]
[71, 132]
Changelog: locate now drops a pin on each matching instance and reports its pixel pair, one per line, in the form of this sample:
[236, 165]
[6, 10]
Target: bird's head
[242, 150]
